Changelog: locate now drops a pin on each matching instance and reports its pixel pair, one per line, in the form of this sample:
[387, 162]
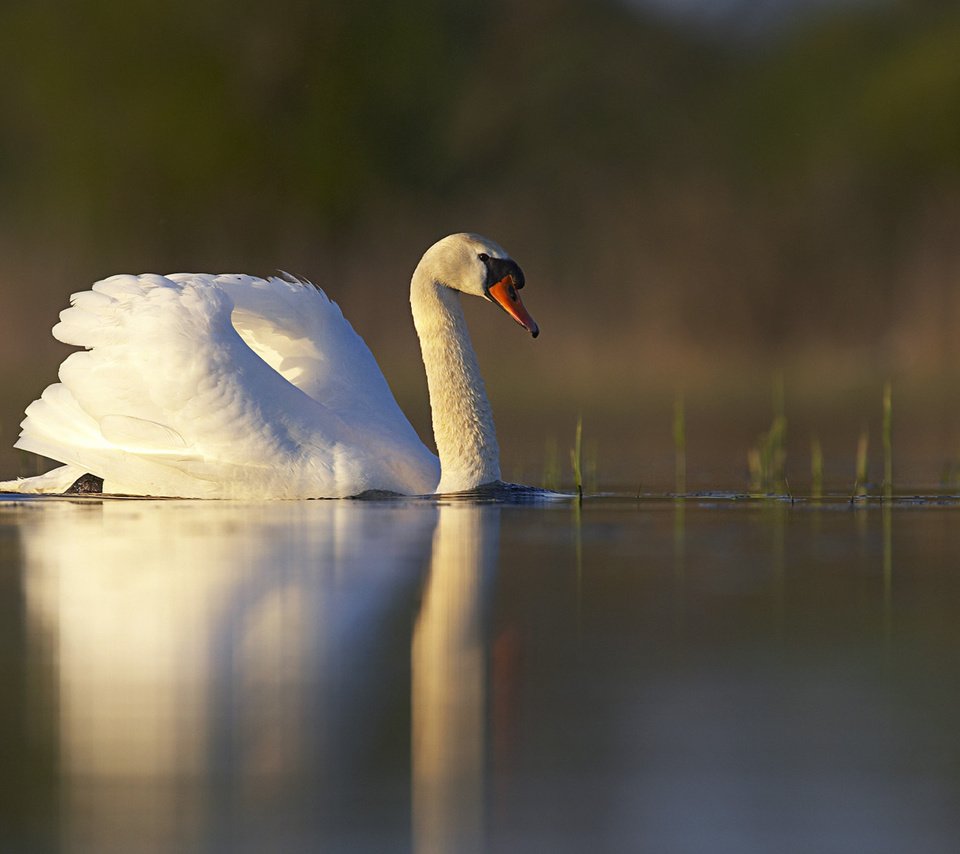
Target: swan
[232, 386]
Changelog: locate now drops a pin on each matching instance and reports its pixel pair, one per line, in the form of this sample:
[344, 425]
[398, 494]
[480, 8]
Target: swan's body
[207, 386]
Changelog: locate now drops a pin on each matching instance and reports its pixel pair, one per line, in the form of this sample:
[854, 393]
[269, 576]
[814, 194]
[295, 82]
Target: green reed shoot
[591, 456]
[551, 465]
[576, 454]
[767, 461]
[863, 449]
[816, 468]
[887, 441]
[680, 444]
[771, 456]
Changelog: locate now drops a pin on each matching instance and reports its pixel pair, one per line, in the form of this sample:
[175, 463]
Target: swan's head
[475, 265]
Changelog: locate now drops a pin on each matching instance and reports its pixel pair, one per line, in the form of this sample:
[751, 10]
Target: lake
[713, 674]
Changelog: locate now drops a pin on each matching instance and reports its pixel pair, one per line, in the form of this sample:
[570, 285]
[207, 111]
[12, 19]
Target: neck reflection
[449, 682]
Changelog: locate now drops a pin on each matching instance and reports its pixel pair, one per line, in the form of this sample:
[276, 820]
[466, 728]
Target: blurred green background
[706, 196]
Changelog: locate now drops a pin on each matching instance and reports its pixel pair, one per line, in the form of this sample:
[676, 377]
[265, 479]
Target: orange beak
[505, 294]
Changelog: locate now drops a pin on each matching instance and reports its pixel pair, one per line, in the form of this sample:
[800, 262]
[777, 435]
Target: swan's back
[222, 386]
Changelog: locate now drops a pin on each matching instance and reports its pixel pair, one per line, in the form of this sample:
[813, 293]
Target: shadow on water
[476, 674]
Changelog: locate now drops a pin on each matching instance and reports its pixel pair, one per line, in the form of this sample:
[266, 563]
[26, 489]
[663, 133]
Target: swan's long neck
[462, 419]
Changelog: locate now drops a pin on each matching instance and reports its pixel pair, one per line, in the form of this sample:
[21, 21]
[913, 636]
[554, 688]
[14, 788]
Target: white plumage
[214, 386]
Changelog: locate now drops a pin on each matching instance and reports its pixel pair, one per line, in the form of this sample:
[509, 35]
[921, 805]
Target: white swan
[230, 386]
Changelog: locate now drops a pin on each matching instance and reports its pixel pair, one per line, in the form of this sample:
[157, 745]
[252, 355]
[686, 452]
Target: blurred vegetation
[691, 210]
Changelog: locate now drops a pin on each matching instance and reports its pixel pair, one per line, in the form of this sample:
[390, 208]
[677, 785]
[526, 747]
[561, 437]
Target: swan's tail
[55, 426]
[54, 482]
[62, 425]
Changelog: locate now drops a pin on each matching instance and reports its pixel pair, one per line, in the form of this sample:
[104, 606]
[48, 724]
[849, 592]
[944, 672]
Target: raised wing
[303, 335]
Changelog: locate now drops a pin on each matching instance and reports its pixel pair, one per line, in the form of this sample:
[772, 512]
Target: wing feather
[303, 335]
[223, 385]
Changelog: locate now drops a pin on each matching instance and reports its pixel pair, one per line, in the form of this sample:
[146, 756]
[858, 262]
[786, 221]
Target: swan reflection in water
[233, 677]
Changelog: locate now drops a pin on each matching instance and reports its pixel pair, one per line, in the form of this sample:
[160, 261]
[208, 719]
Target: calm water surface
[706, 676]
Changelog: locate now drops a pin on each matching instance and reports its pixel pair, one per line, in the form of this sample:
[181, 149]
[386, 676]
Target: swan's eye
[484, 257]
